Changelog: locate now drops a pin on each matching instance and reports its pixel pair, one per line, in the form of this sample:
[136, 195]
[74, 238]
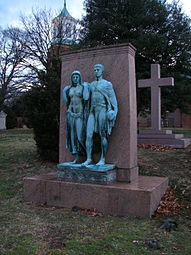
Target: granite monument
[116, 191]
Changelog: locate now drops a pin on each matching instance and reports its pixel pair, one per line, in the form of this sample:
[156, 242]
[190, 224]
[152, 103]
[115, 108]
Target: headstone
[3, 116]
[155, 83]
[129, 194]
[156, 135]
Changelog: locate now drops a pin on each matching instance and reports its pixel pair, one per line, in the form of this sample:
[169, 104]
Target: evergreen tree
[161, 33]
[43, 104]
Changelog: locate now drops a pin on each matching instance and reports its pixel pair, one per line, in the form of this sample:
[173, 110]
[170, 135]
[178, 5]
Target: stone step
[175, 143]
[151, 131]
[160, 136]
[187, 142]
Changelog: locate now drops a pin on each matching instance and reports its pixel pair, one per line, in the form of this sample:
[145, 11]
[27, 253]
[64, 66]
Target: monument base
[139, 198]
[98, 174]
[163, 137]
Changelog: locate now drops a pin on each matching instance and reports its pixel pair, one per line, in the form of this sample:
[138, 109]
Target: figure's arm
[86, 91]
[113, 100]
[65, 95]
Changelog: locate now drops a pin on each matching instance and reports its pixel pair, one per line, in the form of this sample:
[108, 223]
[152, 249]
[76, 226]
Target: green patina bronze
[76, 97]
[102, 115]
[87, 174]
[91, 108]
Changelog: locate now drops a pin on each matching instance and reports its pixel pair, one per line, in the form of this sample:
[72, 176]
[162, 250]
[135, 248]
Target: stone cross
[156, 82]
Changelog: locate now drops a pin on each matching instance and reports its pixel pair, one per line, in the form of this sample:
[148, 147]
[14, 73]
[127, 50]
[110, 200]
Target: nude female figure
[75, 97]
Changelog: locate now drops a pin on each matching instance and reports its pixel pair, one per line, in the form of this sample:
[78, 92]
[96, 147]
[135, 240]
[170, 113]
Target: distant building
[64, 28]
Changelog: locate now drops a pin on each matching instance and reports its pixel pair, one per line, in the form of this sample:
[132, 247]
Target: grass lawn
[29, 230]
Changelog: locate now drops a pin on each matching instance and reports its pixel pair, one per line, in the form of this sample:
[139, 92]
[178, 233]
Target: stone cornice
[99, 51]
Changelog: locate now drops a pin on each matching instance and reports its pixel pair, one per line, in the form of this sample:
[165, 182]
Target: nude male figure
[103, 112]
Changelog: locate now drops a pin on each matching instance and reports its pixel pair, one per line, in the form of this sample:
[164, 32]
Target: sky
[10, 10]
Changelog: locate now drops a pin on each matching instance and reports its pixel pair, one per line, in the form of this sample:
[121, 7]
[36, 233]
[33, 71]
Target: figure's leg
[72, 129]
[74, 147]
[102, 132]
[89, 139]
[72, 137]
[76, 159]
[104, 144]
[79, 130]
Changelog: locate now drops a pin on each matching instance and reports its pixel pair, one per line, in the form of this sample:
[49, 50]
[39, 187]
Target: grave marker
[155, 83]
[3, 116]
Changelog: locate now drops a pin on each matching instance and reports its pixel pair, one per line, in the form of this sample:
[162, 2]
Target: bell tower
[64, 28]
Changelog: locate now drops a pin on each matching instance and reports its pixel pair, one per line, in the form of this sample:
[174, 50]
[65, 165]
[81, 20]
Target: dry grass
[26, 229]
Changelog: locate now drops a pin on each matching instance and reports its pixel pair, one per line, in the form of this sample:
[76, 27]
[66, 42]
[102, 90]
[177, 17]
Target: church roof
[64, 11]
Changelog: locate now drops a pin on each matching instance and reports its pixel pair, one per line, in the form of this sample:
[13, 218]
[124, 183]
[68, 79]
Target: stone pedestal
[163, 137]
[87, 174]
[139, 198]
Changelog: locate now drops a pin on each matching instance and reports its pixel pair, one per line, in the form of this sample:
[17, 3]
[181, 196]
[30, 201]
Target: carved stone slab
[87, 174]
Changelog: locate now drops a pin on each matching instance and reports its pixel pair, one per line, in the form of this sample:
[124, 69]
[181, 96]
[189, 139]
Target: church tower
[64, 28]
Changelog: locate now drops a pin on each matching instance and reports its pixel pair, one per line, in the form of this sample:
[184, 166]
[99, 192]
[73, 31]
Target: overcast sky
[10, 10]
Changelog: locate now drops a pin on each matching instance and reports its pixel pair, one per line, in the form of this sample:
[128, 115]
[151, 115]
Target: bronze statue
[102, 114]
[75, 97]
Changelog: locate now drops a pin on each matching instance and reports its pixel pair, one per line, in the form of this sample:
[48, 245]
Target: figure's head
[98, 70]
[76, 78]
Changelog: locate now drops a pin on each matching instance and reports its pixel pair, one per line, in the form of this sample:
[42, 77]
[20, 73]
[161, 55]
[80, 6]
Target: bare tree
[37, 27]
[40, 37]
[24, 53]
[12, 72]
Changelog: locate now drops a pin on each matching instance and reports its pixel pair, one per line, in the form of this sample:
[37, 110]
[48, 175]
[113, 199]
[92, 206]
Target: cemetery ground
[26, 229]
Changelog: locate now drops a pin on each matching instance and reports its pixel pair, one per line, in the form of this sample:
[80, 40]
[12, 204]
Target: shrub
[43, 103]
